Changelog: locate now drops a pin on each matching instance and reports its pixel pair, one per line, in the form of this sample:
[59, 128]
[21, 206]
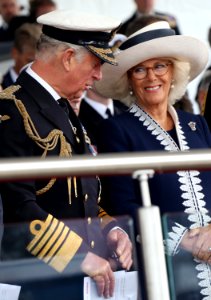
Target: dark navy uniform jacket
[19, 198]
[125, 133]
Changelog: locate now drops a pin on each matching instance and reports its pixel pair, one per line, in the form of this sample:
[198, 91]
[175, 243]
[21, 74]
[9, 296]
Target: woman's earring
[131, 92]
[172, 84]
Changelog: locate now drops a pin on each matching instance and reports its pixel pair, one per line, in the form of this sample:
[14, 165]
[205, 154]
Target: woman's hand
[198, 242]
[202, 245]
[100, 271]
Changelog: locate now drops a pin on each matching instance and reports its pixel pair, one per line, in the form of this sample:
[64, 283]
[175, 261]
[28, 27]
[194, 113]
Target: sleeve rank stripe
[55, 248]
[53, 243]
[67, 252]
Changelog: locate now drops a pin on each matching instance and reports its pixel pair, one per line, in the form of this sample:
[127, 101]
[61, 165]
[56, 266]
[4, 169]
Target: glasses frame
[167, 64]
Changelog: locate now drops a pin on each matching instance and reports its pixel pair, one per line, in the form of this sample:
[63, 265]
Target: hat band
[146, 36]
[96, 38]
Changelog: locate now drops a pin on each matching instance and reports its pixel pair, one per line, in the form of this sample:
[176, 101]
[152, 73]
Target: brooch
[192, 126]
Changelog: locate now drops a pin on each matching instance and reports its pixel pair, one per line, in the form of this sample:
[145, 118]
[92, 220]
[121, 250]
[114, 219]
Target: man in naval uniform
[36, 120]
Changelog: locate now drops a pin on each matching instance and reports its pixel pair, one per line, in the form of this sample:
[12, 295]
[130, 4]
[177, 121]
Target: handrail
[104, 164]
[119, 164]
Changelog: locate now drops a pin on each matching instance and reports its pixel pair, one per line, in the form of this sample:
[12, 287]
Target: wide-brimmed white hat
[92, 31]
[153, 41]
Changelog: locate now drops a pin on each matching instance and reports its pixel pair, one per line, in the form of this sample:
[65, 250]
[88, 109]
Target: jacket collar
[49, 107]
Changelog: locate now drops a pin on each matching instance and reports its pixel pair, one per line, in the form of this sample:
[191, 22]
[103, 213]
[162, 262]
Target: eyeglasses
[159, 69]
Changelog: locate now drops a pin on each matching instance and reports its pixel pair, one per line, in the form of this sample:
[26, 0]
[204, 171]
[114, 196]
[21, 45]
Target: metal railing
[140, 165]
[104, 164]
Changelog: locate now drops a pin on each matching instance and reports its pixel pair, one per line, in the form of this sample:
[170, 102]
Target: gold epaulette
[53, 242]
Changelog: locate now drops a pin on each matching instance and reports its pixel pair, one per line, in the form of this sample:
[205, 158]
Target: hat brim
[105, 54]
[114, 82]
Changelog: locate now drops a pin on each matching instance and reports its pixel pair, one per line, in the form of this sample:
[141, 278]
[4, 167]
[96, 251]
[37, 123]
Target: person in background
[94, 108]
[36, 8]
[23, 51]
[207, 106]
[40, 7]
[37, 120]
[8, 10]
[153, 77]
[202, 90]
[146, 7]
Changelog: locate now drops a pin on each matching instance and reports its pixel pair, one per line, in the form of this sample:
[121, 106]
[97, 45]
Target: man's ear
[67, 58]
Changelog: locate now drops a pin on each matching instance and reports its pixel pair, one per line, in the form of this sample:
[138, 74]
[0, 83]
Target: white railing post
[151, 242]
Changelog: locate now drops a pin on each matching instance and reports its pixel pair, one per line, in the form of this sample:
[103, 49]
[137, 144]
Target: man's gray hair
[48, 47]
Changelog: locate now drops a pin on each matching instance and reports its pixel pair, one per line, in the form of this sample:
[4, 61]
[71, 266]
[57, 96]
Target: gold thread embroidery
[103, 53]
[54, 242]
[4, 118]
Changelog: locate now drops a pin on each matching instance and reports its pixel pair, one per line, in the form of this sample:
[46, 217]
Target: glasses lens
[159, 69]
[139, 72]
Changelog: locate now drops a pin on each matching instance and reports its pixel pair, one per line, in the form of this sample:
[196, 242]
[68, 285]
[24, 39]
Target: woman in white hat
[154, 68]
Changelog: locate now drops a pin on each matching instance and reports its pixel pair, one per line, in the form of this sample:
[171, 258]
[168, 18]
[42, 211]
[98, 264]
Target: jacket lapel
[49, 108]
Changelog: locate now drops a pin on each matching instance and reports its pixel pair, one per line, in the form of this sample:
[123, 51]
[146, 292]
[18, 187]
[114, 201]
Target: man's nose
[98, 73]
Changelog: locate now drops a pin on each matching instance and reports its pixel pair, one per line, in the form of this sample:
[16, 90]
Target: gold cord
[48, 143]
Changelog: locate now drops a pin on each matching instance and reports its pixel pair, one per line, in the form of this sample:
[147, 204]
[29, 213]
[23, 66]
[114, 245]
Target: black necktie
[64, 105]
[108, 113]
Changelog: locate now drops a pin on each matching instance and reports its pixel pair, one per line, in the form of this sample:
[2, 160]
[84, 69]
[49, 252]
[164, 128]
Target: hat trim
[146, 36]
[97, 38]
[104, 54]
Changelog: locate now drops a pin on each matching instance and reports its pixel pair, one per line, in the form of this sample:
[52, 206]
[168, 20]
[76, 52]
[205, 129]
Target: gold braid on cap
[48, 143]
[102, 53]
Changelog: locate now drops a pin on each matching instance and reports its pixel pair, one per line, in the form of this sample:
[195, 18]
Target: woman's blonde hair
[181, 75]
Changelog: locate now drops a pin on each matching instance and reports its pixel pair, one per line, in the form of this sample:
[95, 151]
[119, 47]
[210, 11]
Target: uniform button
[89, 220]
[101, 220]
[86, 197]
[92, 244]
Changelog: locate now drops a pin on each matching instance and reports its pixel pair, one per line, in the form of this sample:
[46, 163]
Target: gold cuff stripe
[67, 252]
[54, 243]
[57, 245]
[51, 241]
